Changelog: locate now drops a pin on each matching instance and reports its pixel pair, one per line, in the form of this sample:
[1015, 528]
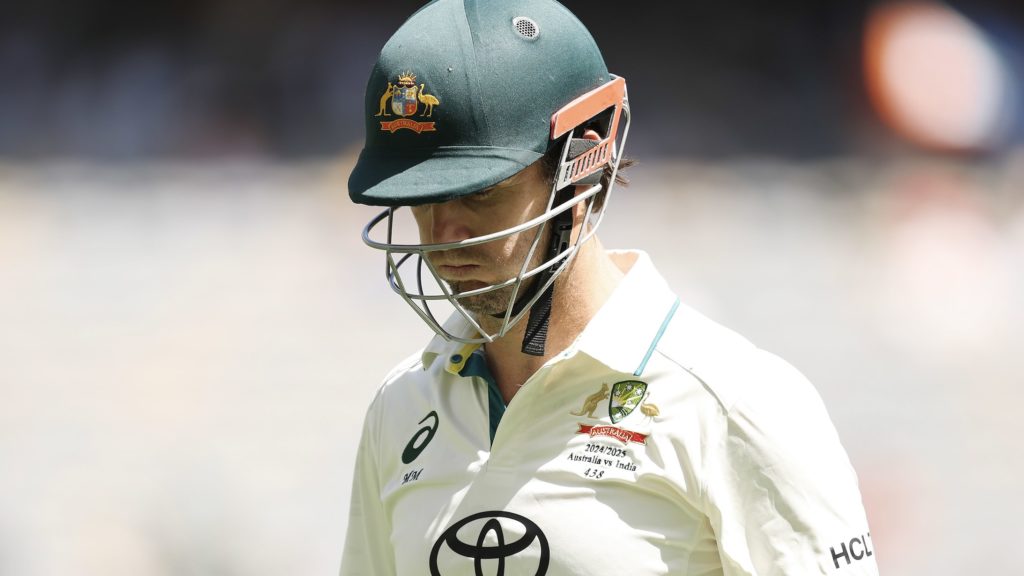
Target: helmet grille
[525, 27]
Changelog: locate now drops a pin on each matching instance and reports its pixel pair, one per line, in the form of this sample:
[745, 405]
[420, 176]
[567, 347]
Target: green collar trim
[476, 365]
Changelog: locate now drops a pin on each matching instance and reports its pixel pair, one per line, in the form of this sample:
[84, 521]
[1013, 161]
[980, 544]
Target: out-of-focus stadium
[191, 328]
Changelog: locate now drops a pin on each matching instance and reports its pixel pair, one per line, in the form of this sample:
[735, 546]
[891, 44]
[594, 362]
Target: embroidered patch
[620, 434]
[648, 409]
[592, 402]
[405, 98]
[626, 396]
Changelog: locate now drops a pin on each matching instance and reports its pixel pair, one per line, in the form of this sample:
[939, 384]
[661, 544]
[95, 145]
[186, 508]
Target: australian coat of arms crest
[405, 97]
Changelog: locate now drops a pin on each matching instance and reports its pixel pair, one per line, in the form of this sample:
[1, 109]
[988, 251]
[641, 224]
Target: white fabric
[728, 465]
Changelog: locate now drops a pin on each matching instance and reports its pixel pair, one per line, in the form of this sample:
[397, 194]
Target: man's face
[509, 203]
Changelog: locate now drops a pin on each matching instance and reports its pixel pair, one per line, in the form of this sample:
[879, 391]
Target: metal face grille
[525, 27]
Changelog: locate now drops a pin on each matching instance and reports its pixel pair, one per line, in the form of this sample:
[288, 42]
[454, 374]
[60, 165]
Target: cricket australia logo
[626, 396]
[405, 98]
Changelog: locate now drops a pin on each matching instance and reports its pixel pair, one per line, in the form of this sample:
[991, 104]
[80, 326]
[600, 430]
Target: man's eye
[483, 194]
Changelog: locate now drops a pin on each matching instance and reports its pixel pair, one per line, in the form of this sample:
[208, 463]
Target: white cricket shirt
[658, 443]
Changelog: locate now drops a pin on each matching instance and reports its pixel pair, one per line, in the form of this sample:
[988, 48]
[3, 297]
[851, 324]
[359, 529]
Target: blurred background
[191, 328]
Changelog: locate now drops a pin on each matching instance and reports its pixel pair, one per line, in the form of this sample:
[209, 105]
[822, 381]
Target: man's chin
[488, 303]
[462, 286]
[494, 304]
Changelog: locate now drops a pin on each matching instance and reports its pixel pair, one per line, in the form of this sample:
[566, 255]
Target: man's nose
[447, 222]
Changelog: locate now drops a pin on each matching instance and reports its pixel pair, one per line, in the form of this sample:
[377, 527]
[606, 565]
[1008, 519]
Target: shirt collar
[621, 335]
[626, 329]
[454, 353]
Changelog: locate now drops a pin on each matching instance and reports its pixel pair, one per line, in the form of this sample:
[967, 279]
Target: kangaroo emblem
[384, 100]
[592, 402]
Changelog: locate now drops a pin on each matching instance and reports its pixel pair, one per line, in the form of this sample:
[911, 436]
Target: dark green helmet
[462, 97]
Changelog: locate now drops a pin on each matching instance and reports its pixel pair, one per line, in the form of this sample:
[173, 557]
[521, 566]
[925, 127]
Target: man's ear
[587, 135]
[580, 209]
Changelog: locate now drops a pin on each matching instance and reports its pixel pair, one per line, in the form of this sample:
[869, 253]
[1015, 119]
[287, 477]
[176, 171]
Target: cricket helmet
[466, 94]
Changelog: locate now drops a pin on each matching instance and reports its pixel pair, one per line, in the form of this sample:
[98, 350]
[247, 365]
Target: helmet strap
[535, 336]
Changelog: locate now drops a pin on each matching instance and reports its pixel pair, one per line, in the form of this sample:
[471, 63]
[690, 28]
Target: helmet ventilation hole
[525, 27]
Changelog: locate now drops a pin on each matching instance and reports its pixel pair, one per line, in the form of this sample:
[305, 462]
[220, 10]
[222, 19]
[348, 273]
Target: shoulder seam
[722, 402]
[725, 415]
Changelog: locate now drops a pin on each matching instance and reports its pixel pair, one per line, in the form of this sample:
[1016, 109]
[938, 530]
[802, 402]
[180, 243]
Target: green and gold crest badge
[625, 397]
[403, 99]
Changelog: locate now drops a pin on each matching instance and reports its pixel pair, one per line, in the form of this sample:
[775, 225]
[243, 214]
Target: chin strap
[535, 337]
[536, 333]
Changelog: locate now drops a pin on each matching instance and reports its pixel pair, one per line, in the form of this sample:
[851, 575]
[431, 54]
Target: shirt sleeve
[781, 493]
[368, 547]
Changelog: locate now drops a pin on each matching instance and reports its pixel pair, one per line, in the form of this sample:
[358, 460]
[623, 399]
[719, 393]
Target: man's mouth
[457, 272]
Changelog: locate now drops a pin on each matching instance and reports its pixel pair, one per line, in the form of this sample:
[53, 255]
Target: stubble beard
[495, 304]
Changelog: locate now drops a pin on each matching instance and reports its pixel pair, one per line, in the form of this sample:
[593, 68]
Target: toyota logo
[489, 523]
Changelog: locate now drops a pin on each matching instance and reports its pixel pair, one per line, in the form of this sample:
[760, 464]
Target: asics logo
[420, 439]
